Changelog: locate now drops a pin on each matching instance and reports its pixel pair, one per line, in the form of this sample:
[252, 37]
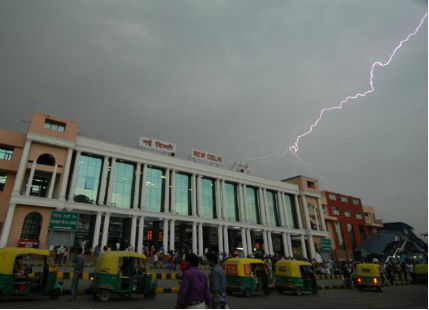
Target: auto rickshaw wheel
[104, 295]
[298, 291]
[380, 289]
[246, 292]
[53, 295]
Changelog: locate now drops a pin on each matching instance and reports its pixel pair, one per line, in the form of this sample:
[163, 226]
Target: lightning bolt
[295, 147]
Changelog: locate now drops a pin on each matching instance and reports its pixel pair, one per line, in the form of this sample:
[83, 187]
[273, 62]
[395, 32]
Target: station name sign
[206, 156]
[157, 145]
[63, 220]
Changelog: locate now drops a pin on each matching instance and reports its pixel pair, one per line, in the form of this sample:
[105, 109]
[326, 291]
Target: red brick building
[350, 228]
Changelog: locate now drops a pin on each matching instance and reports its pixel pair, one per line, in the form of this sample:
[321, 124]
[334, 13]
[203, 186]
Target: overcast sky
[238, 78]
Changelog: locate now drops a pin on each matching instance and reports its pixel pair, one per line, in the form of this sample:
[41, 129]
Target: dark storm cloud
[241, 78]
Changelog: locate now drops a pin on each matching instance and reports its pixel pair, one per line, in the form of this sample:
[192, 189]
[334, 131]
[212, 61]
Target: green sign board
[64, 220]
[326, 244]
[364, 252]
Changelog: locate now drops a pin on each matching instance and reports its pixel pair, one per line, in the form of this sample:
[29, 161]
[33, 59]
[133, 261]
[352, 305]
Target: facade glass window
[351, 235]
[208, 198]
[344, 199]
[32, 225]
[272, 208]
[347, 213]
[6, 153]
[123, 185]
[355, 202]
[323, 209]
[358, 215]
[231, 203]
[183, 194]
[332, 197]
[252, 205]
[339, 235]
[335, 211]
[3, 177]
[291, 218]
[367, 218]
[155, 180]
[88, 179]
[54, 125]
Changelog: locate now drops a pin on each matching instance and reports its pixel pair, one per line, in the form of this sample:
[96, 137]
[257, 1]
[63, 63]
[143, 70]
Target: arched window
[32, 226]
[46, 159]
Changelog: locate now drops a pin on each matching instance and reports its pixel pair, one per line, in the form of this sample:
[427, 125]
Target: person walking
[194, 289]
[77, 271]
[217, 283]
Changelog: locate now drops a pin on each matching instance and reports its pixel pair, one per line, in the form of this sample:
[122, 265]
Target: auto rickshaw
[369, 276]
[294, 275]
[247, 275]
[123, 273]
[25, 271]
[420, 273]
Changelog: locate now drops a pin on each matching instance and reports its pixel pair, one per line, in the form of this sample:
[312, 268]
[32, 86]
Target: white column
[194, 238]
[51, 185]
[307, 217]
[224, 216]
[285, 245]
[141, 235]
[265, 239]
[96, 237]
[103, 181]
[21, 169]
[165, 236]
[143, 187]
[193, 197]
[30, 178]
[267, 212]
[172, 230]
[133, 232]
[111, 182]
[137, 187]
[200, 240]
[298, 212]
[74, 176]
[65, 176]
[220, 239]
[7, 226]
[217, 194]
[289, 243]
[105, 230]
[173, 192]
[270, 242]
[249, 242]
[199, 195]
[311, 246]
[241, 205]
[225, 238]
[322, 216]
[167, 191]
[281, 209]
[246, 206]
[261, 206]
[304, 249]
[243, 241]
[282, 197]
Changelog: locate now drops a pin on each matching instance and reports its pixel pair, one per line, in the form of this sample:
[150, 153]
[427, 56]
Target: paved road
[409, 296]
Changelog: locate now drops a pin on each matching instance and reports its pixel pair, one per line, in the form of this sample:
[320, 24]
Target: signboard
[326, 244]
[206, 156]
[157, 145]
[364, 253]
[242, 166]
[28, 243]
[64, 221]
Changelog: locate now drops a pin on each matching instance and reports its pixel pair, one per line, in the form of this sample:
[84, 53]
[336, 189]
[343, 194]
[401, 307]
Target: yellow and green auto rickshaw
[247, 275]
[123, 273]
[25, 271]
[369, 276]
[420, 273]
[294, 275]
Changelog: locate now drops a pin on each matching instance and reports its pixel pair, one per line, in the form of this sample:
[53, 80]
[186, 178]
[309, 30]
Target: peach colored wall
[18, 221]
[59, 154]
[301, 181]
[16, 141]
[5, 196]
[38, 120]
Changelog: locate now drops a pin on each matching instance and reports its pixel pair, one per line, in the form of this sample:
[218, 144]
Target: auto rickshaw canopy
[8, 255]
[236, 266]
[368, 270]
[421, 268]
[108, 262]
[290, 268]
